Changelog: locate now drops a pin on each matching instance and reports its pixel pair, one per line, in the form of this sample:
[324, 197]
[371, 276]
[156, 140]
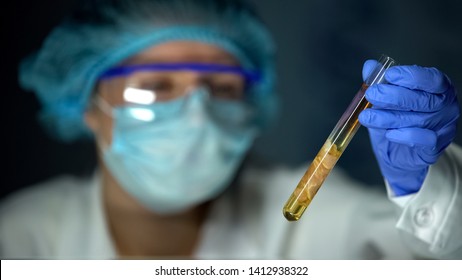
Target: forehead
[183, 51]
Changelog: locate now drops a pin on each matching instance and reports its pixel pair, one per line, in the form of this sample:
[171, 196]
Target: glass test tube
[334, 146]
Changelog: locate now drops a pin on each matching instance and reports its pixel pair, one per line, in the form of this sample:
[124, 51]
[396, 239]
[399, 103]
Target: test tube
[334, 146]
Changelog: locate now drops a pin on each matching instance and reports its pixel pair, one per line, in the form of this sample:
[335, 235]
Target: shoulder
[44, 196]
[30, 218]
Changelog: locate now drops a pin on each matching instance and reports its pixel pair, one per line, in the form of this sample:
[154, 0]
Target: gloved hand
[412, 120]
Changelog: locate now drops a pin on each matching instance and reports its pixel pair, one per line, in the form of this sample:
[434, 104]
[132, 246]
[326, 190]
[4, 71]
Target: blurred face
[172, 124]
[167, 85]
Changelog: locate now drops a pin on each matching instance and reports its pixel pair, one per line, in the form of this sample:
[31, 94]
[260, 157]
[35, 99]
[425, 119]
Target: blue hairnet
[102, 33]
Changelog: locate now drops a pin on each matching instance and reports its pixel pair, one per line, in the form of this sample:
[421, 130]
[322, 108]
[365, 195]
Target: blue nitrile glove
[412, 120]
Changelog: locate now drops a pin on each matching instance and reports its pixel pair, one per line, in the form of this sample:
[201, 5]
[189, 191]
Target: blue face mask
[174, 155]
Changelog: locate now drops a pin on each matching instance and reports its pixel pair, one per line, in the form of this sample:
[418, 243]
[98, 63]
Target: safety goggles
[196, 104]
[145, 84]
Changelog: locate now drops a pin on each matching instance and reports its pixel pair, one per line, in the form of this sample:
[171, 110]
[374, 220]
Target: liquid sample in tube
[322, 164]
[333, 147]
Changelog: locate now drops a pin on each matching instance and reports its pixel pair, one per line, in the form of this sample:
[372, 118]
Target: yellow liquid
[311, 181]
[326, 158]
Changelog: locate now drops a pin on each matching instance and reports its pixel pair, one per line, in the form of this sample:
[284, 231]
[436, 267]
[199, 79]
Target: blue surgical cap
[102, 33]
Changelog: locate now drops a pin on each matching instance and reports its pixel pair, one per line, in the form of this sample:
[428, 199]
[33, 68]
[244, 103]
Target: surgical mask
[174, 155]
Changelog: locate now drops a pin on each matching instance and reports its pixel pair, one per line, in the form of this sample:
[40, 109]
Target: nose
[189, 80]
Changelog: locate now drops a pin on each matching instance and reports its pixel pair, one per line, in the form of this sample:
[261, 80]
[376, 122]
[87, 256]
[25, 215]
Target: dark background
[322, 45]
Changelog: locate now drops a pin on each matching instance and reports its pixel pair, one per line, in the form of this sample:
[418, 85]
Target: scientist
[173, 94]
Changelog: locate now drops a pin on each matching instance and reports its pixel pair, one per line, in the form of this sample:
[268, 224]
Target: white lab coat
[64, 218]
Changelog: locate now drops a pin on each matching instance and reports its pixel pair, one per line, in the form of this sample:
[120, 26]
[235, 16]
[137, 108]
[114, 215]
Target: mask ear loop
[104, 106]
[107, 109]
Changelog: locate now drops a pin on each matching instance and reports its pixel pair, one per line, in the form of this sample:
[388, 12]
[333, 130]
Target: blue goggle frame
[251, 76]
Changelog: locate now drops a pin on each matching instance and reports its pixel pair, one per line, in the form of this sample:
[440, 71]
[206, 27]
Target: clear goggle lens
[156, 92]
[150, 83]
